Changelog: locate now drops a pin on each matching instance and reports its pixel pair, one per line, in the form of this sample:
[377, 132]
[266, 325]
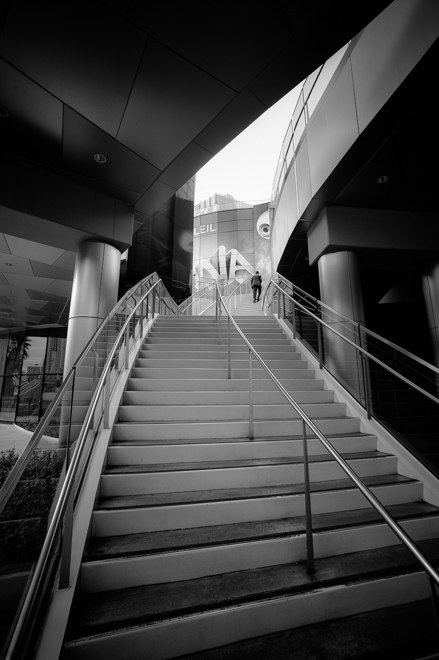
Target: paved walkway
[13, 436]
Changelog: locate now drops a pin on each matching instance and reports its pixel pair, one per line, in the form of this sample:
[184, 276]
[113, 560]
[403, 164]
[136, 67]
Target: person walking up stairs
[256, 285]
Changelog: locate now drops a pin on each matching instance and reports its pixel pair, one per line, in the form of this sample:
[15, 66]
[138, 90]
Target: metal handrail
[357, 324]
[184, 306]
[307, 422]
[366, 353]
[25, 456]
[66, 492]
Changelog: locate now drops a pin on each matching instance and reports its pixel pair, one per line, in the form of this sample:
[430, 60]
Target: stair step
[179, 430]
[227, 556]
[156, 398]
[235, 474]
[180, 539]
[404, 631]
[161, 511]
[223, 384]
[106, 611]
[126, 454]
[218, 373]
[236, 463]
[204, 412]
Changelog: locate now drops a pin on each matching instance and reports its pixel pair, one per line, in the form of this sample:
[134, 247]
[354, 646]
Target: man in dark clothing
[256, 285]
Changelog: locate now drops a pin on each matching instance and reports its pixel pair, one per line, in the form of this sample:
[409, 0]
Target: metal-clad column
[94, 294]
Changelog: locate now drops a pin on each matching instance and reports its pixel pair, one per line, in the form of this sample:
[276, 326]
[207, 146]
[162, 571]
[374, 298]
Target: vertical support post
[308, 513]
[219, 324]
[229, 351]
[107, 401]
[435, 603]
[283, 302]
[319, 337]
[251, 425]
[366, 376]
[294, 319]
[66, 550]
[153, 305]
[127, 345]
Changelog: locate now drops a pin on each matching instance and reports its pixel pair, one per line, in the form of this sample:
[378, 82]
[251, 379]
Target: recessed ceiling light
[100, 158]
[382, 179]
[3, 111]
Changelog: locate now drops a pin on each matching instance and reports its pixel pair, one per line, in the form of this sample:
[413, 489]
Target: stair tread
[153, 443]
[178, 539]
[227, 421]
[237, 463]
[406, 632]
[221, 495]
[104, 611]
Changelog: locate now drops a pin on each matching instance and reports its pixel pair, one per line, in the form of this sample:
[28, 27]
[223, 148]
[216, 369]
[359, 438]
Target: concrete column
[430, 286]
[94, 294]
[340, 288]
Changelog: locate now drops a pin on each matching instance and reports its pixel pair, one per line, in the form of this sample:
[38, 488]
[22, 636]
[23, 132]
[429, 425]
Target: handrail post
[229, 352]
[153, 305]
[251, 425]
[319, 338]
[66, 549]
[107, 401]
[310, 567]
[67, 533]
[219, 320]
[435, 603]
[366, 376]
[294, 319]
[127, 345]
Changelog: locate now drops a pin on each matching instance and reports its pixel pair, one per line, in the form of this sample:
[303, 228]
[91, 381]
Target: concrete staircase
[197, 538]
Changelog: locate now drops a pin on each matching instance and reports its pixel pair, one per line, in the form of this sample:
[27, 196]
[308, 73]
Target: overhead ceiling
[156, 88]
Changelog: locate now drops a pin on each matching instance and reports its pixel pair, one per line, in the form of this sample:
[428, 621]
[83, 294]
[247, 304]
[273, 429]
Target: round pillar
[340, 288]
[94, 294]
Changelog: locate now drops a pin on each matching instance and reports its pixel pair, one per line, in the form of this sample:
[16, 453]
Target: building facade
[231, 241]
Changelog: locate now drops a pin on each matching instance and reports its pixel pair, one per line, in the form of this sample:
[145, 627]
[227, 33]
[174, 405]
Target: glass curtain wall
[31, 370]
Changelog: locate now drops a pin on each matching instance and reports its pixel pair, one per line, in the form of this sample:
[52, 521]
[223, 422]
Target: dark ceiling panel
[123, 168]
[33, 128]
[215, 40]
[154, 198]
[44, 270]
[189, 162]
[168, 88]
[236, 116]
[100, 51]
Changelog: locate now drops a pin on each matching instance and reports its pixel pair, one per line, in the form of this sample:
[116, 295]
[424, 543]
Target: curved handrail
[363, 351]
[184, 306]
[357, 324]
[68, 485]
[396, 527]
[25, 456]
[79, 458]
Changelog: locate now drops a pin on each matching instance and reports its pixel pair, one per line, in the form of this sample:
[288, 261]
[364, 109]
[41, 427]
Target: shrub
[23, 522]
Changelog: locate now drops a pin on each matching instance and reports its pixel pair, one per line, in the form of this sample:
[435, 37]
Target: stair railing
[200, 301]
[307, 422]
[128, 322]
[378, 360]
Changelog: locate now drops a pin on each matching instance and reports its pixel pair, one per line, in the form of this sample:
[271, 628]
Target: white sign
[204, 229]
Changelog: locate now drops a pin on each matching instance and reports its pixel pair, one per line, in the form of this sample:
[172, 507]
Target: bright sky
[245, 168]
